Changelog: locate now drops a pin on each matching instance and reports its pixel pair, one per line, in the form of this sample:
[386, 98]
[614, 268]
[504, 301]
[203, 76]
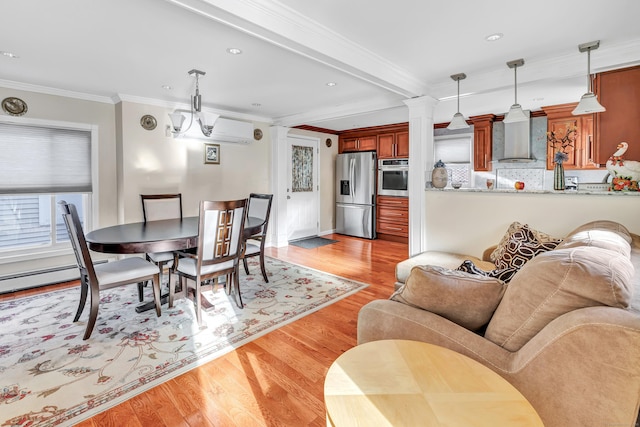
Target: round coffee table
[411, 383]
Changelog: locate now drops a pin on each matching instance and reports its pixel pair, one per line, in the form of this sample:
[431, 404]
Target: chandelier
[205, 120]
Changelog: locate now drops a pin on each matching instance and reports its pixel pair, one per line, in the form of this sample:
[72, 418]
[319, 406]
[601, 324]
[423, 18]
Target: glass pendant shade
[458, 122]
[588, 104]
[515, 114]
[177, 119]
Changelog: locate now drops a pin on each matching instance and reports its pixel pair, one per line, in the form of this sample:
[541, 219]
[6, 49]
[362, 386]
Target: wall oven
[393, 177]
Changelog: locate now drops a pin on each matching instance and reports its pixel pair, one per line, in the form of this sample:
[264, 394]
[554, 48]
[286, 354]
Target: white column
[278, 219]
[420, 162]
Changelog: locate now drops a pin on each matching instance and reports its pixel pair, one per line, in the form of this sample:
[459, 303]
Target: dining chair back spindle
[259, 207]
[157, 207]
[95, 278]
[220, 229]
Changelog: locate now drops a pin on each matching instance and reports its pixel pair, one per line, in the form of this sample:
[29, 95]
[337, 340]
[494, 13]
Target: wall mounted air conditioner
[224, 130]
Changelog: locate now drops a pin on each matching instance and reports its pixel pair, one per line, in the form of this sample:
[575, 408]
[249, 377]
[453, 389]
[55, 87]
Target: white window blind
[36, 159]
[453, 149]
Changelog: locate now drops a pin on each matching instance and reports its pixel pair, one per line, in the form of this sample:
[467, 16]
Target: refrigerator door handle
[352, 177]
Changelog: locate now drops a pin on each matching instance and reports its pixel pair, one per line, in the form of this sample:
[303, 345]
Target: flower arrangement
[561, 146]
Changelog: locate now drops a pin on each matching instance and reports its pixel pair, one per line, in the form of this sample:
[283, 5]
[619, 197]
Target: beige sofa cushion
[442, 259]
[466, 299]
[554, 283]
[602, 234]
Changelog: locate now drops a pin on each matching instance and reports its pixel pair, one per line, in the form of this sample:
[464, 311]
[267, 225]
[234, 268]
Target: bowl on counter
[456, 185]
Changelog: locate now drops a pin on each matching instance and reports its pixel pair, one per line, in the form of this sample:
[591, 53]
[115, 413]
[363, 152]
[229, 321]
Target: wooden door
[367, 143]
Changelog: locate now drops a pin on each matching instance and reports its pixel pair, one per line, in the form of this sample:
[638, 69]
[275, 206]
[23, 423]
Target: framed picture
[212, 154]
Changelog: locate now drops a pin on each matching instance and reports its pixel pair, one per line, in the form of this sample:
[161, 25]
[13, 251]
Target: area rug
[50, 376]
[312, 242]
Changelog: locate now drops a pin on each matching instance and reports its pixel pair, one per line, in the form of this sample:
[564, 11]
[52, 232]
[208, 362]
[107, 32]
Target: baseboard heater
[38, 278]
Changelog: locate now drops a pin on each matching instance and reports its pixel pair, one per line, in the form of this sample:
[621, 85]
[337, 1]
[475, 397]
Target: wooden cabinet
[388, 141]
[393, 145]
[583, 151]
[482, 141]
[619, 92]
[392, 218]
[363, 143]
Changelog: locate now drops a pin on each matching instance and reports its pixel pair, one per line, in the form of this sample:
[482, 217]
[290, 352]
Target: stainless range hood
[517, 141]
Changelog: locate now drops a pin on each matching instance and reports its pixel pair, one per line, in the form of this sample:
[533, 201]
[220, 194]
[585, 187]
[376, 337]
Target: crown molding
[9, 84]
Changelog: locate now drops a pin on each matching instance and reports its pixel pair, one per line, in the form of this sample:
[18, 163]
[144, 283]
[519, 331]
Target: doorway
[303, 187]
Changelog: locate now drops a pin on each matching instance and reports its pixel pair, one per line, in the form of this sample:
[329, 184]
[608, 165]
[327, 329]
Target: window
[40, 165]
[455, 152]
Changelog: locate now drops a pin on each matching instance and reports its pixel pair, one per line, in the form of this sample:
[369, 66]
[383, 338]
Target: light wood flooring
[277, 379]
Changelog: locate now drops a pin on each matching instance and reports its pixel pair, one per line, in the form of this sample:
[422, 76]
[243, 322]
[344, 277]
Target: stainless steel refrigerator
[356, 194]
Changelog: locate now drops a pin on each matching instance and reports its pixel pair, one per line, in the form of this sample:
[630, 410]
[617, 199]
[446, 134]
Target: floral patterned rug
[50, 376]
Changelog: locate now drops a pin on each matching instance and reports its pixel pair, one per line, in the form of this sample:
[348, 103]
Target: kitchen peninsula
[471, 220]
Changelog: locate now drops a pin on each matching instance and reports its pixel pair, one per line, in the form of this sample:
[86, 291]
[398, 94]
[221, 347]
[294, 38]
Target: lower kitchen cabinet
[392, 218]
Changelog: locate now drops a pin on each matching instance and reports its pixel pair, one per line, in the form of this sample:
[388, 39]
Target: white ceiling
[378, 53]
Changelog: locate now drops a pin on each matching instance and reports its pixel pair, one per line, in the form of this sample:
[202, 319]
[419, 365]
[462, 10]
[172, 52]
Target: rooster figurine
[627, 171]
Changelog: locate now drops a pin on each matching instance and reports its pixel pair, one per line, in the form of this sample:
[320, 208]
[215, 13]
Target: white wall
[155, 163]
[469, 222]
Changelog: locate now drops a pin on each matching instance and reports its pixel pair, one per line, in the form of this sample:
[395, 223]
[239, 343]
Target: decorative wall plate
[148, 122]
[328, 142]
[14, 106]
[257, 134]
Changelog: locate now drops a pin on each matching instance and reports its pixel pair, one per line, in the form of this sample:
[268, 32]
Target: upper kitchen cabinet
[361, 143]
[482, 141]
[582, 150]
[393, 145]
[395, 140]
[619, 92]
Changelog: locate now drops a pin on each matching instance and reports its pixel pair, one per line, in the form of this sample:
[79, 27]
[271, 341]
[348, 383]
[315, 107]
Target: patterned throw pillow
[520, 244]
[504, 274]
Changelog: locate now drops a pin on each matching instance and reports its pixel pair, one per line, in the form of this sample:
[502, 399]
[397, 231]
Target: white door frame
[315, 142]
[279, 179]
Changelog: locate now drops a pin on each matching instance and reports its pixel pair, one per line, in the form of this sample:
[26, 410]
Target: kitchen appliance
[393, 177]
[356, 194]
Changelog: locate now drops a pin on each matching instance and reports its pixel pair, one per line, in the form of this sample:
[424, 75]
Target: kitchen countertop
[513, 191]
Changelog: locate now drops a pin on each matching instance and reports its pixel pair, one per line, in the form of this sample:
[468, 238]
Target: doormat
[312, 242]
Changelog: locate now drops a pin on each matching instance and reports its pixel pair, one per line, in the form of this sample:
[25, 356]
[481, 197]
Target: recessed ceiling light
[331, 84]
[494, 37]
[166, 87]
[9, 54]
[234, 51]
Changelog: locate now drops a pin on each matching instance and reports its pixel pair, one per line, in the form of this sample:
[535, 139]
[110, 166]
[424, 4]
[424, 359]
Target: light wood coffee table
[409, 383]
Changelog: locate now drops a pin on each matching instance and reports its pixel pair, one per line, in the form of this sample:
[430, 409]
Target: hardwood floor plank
[277, 379]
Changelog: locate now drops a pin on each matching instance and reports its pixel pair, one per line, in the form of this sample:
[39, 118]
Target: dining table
[155, 236]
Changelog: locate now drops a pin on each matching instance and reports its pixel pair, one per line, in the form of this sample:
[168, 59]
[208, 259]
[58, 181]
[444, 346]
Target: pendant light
[589, 102]
[515, 113]
[458, 121]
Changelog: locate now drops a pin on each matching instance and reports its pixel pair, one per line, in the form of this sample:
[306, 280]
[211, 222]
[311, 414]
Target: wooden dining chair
[156, 207]
[94, 279]
[259, 207]
[220, 229]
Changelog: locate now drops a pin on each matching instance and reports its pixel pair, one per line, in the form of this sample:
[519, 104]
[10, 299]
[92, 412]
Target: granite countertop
[566, 192]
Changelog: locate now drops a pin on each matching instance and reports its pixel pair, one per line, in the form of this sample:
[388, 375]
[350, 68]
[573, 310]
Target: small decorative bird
[621, 168]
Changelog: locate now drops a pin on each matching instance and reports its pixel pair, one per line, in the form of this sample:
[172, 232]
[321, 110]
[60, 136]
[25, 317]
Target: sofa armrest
[582, 369]
[486, 255]
[387, 319]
